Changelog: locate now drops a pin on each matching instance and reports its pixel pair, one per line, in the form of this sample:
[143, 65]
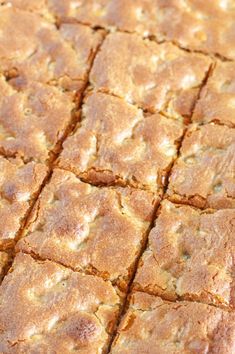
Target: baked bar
[203, 175]
[45, 307]
[206, 26]
[154, 326]
[117, 144]
[190, 256]
[156, 77]
[5, 260]
[97, 230]
[19, 184]
[33, 121]
[217, 99]
[33, 49]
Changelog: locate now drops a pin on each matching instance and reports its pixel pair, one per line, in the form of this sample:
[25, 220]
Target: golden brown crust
[32, 49]
[33, 120]
[152, 326]
[99, 230]
[45, 307]
[217, 99]
[190, 256]
[206, 26]
[203, 175]
[156, 77]
[116, 144]
[19, 184]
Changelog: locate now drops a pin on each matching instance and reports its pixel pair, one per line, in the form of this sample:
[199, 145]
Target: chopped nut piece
[116, 144]
[152, 326]
[190, 256]
[99, 230]
[19, 183]
[203, 175]
[45, 307]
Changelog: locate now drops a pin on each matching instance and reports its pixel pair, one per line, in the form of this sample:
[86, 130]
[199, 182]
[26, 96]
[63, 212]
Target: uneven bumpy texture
[190, 255]
[32, 49]
[217, 99]
[19, 184]
[203, 175]
[5, 261]
[88, 228]
[156, 77]
[117, 144]
[206, 26]
[152, 326]
[46, 308]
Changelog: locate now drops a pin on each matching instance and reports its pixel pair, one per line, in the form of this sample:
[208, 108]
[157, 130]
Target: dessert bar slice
[217, 99]
[19, 184]
[156, 77]
[154, 326]
[33, 49]
[203, 175]
[190, 255]
[5, 260]
[116, 143]
[97, 230]
[45, 307]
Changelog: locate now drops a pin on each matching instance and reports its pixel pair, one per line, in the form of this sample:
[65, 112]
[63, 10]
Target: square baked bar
[154, 326]
[217, 99]
[155, 77]
[97, 230]
[204, 173]
[33, 49]
[116, 143]
[47, 308]
[190, 256]
[19, 185]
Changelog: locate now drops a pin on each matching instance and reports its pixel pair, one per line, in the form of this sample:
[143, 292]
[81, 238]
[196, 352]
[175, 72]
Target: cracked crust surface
[33, 120]
[33, 49]
[206, 26]
[19, 184]
[45, 307]
[98, 230]
[116, 144]
[217, 99]
[5, 260]
[154, 326]
[203, 175]
[190, 256]
[156, 77]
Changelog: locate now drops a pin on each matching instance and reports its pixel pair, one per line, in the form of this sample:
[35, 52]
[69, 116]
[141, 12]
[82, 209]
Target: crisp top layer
[190, 255]
[5, 260]
[156, 77]
[46, 307]
[116, 144]
[206, 26]
[203, 175]
[178, 328]
[19, 183]
[99, 230]
[217, 99]
[32, 49]
[33, 120]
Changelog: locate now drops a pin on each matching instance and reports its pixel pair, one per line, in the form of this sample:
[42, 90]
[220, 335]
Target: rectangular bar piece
[155, 77]
[19, 184]
[45, 307]
[190, 256]
[152, 326]
[115, 143]
[217, 99]
[203, 175]
[97, 230]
